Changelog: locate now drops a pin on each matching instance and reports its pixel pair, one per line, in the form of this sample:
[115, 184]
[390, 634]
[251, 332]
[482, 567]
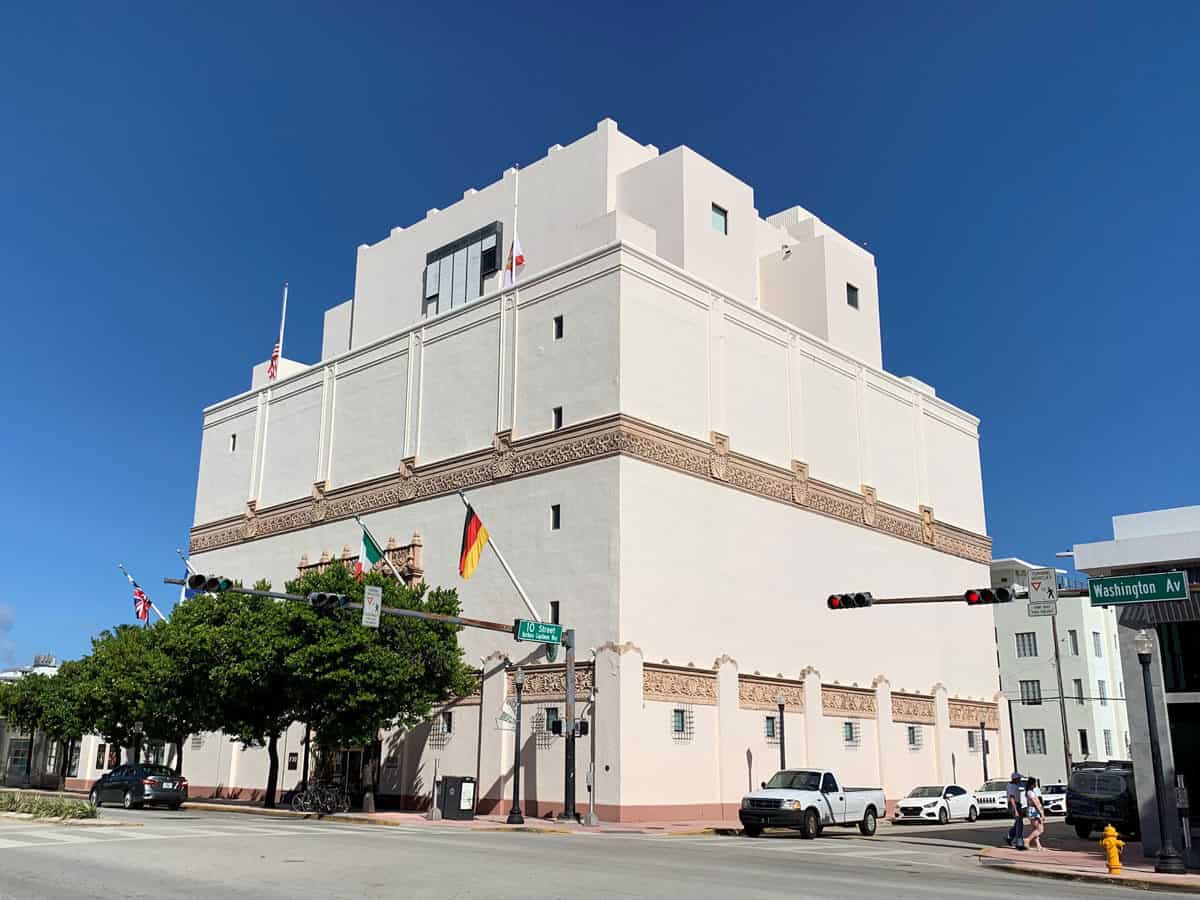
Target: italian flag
[368, 555]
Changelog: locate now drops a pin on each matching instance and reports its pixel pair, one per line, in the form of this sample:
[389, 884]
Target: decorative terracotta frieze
[916, 709]
[969, 713]
[760, 693]
[845, 702]
[677, 685]
[712, 461]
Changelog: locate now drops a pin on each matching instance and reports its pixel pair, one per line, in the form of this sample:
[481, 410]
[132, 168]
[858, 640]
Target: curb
[1001, 864]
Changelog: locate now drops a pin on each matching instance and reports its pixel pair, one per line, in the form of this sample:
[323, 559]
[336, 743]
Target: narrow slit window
[851, 295]
[558, 420]
[558, 328]
[233, 443]
[555, 518]
[720, 219]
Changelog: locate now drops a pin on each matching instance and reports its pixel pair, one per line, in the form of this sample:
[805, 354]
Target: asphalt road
[193, 854]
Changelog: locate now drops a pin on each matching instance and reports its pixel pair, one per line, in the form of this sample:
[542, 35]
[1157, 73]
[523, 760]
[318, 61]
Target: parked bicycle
[323, 798]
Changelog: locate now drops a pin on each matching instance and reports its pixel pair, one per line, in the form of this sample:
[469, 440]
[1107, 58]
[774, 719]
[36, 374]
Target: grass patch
[42, 807]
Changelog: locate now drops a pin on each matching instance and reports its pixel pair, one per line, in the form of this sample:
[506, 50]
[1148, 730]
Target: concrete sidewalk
[1074, 865]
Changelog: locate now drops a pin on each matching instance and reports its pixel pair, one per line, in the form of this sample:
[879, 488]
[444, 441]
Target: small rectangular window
[1107, 742]
[558, 328]
[914, 737]
[1102, 692]
[100, 756]
[233, 443]
[1026, 643]
[552, 716]
[720, 219]
[851, 295]
[1073, 640]
[1035, 741]
[554, 612]
[851, 733]
[770, 726]
[448, 722]
[1031, 693]
[1079, 691]
[1097, 644]
[555, 517]
[1083, 742]
[558, 420]
[973, 741]
[678, 721]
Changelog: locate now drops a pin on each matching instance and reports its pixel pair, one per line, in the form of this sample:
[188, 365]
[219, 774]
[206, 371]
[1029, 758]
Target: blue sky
[1027, 180]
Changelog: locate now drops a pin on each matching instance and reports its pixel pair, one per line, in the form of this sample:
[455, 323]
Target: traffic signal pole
[958, 598]
[568, 813]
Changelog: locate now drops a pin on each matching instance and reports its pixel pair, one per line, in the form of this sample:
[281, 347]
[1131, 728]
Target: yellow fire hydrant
[1113, 846]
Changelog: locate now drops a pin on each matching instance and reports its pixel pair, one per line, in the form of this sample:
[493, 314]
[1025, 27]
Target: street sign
[1125, 589]
[372, 604]
[538, 632]
[1043, 592]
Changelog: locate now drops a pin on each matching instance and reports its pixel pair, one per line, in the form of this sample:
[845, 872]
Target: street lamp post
[514, 815]
[780, 700]
[1169, 862]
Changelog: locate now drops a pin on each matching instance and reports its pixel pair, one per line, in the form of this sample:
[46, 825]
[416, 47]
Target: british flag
[273, 365]
[141, 604]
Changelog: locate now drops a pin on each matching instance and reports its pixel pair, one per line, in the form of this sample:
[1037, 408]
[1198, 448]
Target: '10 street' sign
[539, 632]
[1125, 589]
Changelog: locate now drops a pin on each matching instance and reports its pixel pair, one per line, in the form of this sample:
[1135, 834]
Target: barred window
[1035, 741]
[1026, 643]
[440, 730]
[1102, 692]
[1108, 747]
[771, 728]
[916, 737]
[1031, 693]
[851, 733]
[683, 724]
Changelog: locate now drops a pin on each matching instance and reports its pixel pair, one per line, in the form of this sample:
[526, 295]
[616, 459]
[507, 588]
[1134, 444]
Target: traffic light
[327, 602]
[850, 601]
[982, 596]
[210, 584]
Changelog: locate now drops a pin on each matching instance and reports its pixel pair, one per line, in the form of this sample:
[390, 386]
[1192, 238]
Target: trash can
[457, 798]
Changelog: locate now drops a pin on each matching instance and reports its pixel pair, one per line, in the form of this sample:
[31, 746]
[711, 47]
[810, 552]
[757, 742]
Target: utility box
[457, 797]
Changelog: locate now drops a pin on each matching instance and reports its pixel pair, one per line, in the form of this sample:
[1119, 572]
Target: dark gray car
[140, 785]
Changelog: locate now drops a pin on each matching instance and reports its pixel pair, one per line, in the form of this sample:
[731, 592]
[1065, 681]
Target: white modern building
[679, 430]
[1164, 540]
[1097, 727]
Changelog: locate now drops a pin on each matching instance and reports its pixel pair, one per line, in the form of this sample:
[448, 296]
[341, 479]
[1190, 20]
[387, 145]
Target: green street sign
[538, 632]
[1123, 589]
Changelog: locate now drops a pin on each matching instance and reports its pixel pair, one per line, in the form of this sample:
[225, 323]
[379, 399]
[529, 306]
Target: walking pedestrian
[1015, 793]
[1037, 813]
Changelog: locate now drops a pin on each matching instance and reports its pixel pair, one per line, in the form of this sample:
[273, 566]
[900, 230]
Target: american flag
[273, 365]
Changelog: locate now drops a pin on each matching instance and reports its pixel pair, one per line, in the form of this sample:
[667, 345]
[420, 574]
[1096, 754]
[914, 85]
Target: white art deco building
[679, 429]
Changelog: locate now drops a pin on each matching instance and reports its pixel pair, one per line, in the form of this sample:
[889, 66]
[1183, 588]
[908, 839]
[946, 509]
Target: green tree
[25, 708]
[61, 710]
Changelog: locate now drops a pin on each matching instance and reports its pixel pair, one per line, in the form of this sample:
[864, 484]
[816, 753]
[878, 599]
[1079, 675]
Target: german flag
[475, 536]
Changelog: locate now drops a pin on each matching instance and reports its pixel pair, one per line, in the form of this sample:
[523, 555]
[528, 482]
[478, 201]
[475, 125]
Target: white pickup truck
[810, 799]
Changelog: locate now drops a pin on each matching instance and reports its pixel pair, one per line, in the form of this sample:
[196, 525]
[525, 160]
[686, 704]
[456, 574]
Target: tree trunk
[272, 771]
[179, 739]
[67, 747]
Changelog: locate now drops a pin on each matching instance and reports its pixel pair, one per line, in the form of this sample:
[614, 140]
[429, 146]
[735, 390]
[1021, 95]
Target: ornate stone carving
[853, 703]
[915, 709]
[406, 559]
[926, 524]
[718, 464]
[679, 685]
[869, 501]
[800, 482]
[550, 683]
[613, 435]
[505, 460]
[969, 713]
[761, 693]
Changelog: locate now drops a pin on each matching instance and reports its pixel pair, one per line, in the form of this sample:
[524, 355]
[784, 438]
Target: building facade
[31, 759]
[678, 429]
[1166, 540]
[1097, 726]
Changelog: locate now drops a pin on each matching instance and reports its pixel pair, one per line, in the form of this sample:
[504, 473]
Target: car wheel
[1083, 829]
[973, 814]
[867, 826]
[128, 802]
[752, 830]
[943, 816]
[174, 806]
[810, 826]
[94, 797]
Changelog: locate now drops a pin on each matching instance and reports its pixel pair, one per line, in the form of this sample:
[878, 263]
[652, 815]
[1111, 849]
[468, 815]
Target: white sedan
[937, 803]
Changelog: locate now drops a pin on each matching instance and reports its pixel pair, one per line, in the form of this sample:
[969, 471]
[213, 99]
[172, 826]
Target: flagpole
[504, 564]
[187, 562]
[382, 550]
[283, 319]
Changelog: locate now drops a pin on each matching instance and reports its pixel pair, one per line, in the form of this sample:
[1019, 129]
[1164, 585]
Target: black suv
[141, 785]
[1102, 793]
